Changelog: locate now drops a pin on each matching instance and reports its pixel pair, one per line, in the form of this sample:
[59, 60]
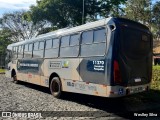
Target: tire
[15, 79]
[56, 87]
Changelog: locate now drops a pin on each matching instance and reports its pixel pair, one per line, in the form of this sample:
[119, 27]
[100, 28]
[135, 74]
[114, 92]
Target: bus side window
[72, 48]
[48, 44]
[30, 49]
[65, 41]
[36, 44]
[56, 43]
[26, 51]
[97, 44]
[74, 40]
[41, 45]
[99, 35]
[87, 37]
[20, 52]
[26, 48]
[14, 52]
[52, 48]
[38, 49]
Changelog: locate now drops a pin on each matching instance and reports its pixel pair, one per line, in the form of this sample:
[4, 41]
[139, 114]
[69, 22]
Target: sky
[15, 5]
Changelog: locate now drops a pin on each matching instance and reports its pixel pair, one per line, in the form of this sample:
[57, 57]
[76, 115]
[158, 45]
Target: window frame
[70, 46]
[29, 47]
[105, 42]
[37, 46]
[46, 44]
[79, 39]
[82, 36]
[105, 35]
[61, 41]
[25, 47]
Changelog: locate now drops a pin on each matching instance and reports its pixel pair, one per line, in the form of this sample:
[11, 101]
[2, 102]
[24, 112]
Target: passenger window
[97, 44]
[65, 41]
[41, 45]
[21, 48]
[36, 45]
[100, 35]
[26, 47]
[30, 47]
[15, 49]
[74, 40]
[87, 37]
[48, 44]
[55, 43]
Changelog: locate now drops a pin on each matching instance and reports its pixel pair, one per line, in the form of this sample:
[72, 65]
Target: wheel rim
[55, 87]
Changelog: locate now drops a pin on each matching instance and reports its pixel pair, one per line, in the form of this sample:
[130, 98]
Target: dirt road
[25, 97]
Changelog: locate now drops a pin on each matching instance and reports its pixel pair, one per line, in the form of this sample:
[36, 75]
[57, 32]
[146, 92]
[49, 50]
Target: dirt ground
[25, 97]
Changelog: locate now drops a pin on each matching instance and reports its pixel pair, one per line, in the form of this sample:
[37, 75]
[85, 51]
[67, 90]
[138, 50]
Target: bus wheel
[56, 87]
[15, 79]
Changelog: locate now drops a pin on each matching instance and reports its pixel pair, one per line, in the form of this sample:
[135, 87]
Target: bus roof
[65, 31]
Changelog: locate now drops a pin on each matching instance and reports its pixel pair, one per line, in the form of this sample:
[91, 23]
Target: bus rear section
[132, 58]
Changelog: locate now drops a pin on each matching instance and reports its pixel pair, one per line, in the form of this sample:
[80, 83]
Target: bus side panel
[93, 70]
[85, 88]
[30, 70]
[65, 68]
[22, 76]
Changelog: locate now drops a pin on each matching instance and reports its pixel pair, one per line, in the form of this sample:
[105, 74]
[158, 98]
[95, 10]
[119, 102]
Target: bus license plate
[136, 90]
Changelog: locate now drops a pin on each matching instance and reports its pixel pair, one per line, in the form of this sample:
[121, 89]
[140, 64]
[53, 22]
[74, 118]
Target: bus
[111, 57]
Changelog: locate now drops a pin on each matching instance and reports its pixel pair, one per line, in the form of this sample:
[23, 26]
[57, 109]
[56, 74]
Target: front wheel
[56, 87]
[15, 79]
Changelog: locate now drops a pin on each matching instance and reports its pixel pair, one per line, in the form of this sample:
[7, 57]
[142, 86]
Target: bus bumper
[120, 91]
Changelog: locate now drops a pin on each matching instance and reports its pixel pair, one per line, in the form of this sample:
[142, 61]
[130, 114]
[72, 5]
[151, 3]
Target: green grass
[2, 70]
[156, 78]
[156, 67]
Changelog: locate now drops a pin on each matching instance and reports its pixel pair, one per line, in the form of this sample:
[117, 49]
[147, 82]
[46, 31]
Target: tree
[139, 10]
[111, 8]
[20, 28]
[61, 13]
[5, 40]
[156, 19]
[64, 13]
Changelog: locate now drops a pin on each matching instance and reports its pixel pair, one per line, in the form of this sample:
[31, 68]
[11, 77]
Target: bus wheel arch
[55, 85]
[14, 76]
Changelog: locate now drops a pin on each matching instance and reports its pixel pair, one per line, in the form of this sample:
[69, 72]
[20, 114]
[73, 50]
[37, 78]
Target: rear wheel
[56, 87]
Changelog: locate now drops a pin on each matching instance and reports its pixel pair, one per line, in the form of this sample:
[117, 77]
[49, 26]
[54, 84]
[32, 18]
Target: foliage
[138, 10]
[19, 27]
[145, 12]
[156, 18]
[111, 8]
[64, 13]
[5, 39]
